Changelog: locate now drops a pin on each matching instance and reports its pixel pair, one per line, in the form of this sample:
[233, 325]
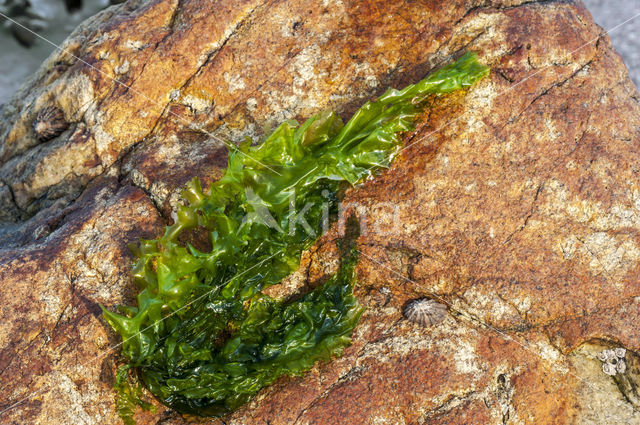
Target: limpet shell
[425, 311]
[49, 123]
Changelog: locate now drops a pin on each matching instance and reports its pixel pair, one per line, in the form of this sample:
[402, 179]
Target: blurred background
[626, 38]
[22, 51]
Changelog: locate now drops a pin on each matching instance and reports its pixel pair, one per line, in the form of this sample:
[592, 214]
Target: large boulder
[516, 204]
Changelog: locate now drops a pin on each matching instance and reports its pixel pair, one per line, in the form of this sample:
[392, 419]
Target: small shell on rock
[609, 369]
[49, 123]
[425, 311]
[620, 352]
[607, 355]
[613, 361]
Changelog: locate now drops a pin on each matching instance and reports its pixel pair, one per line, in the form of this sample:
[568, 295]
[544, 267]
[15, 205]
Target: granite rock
[516, 204]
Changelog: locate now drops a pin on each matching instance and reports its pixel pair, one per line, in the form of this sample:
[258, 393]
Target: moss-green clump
[203, 337]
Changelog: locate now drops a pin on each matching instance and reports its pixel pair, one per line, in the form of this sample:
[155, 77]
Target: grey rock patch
[625, 38]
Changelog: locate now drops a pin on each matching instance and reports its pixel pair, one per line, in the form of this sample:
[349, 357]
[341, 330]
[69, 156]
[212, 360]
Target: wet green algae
[203, 337]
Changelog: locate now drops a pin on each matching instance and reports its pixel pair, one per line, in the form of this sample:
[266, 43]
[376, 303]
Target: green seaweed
[129, 396]
[203, 337]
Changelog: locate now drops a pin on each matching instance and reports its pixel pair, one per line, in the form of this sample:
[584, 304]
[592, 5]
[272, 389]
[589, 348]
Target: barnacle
[613, 361]
[204, 338]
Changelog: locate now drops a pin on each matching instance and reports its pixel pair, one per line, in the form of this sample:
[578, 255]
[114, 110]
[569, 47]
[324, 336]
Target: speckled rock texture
[516, 204]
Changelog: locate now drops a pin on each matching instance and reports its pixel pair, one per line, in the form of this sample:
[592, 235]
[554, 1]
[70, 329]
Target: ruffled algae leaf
[203, 337]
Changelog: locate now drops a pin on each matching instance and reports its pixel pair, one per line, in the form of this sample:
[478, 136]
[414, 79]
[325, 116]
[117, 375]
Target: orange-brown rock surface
[517, 204]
